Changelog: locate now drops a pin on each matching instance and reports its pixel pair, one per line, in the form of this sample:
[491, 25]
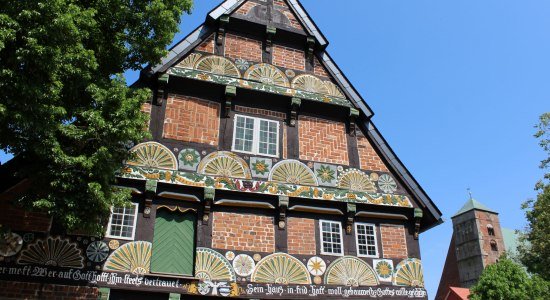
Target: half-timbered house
[265, 178]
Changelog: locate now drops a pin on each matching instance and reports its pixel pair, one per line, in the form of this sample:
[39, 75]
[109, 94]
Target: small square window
[331, 238]
[365, 237]
[256, 136]
[122, 223]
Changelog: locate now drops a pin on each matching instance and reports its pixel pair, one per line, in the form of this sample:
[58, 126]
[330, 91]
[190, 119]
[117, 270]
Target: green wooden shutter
[173, 243]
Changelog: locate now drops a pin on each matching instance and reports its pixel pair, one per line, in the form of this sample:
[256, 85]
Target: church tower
[476, 243]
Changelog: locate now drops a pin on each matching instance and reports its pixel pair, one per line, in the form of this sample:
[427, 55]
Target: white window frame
[108, 235]
[255, 136]
[322, 240]
[357, 224]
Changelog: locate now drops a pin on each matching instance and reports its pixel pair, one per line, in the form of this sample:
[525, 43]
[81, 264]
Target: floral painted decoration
[260, 167]
[189, 157]
[325, 174]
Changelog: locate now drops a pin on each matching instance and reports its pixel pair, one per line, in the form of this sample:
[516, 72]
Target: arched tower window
[494, 245]
[490, 230]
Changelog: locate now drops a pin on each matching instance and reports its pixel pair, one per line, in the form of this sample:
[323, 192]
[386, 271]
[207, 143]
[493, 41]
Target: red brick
[289, 58]
[246, 7]
[368, 157]
[243, 232]
[207, 45]
[322, 140]
[301, 236]
[191, 119]
[394, 243]
[241, 47]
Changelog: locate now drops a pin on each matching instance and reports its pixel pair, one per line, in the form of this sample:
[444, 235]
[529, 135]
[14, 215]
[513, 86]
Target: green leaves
[508, 280]
[535, 247]
[64, 110]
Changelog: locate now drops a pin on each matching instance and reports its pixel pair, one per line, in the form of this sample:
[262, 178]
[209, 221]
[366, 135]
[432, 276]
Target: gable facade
[264, 178]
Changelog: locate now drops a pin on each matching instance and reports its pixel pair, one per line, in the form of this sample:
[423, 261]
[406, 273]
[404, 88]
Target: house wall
[27, 290]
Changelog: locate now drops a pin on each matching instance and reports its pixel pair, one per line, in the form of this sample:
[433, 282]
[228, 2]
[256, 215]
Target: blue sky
[456, 87]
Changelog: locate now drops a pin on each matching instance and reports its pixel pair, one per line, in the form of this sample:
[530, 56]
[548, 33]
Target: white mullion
[256, 136]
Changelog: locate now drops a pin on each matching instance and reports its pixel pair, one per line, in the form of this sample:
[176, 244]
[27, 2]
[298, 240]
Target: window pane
[244, 134]
[268, 137]
[366, 240]
[123, 222]
[330, 238]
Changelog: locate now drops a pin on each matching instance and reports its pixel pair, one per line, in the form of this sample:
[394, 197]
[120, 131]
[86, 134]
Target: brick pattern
[280, 3]
[27, 290]
[191, 119]
[301, 236]
[293, 21]
[146, 108]
[241, 47]
[243, 232]
[318, 69]
[262, 112]
[289, 58]
[484, 219]
[323, 140]
[207, 45]
[394, 244]
[246, 7]
[368, 157]
[21, 220]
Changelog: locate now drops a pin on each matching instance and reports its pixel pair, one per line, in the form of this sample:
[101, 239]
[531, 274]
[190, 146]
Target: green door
[173, 242]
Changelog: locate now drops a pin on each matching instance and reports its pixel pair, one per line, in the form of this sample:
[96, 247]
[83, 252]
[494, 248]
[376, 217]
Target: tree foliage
[65, 110]
[508, 280]
[535, 247]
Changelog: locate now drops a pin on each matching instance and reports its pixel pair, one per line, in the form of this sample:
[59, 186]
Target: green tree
[535, 247]
[508, 280]
[66, 113]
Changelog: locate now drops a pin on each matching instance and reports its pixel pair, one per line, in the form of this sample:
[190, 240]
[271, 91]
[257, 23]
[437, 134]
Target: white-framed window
[122, 223]
[256, 136]
[365, 239]
[332, 242]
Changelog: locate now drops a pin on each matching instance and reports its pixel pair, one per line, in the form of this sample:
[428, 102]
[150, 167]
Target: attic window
[494, 245]
[256, 136]
[490, 230]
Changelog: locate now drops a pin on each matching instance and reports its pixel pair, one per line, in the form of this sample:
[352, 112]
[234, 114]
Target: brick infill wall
[243, 232]
[191, 119]
[323, 140]
[301, 236]
[27, 290]
[394, 244]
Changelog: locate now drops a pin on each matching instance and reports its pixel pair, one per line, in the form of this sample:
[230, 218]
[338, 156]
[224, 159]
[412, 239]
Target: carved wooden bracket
[270, 33]
[162, 83]
[418, 214]
[310, 48]
[294, 109]
[150, 192]
[353, 115]
[351, 210]
[283, 206]
[209, 194]
[224, 20]
[230, 93]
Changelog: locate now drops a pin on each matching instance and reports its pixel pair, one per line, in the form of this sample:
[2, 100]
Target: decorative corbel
[150, 191]
[230, 93]
[294, 109]
[310, 48]
[350, 215]
[209, 194]
[224, 20]
[283, 206]
[270, 33]
[353, 115]
[162, 84]
[418, 214]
